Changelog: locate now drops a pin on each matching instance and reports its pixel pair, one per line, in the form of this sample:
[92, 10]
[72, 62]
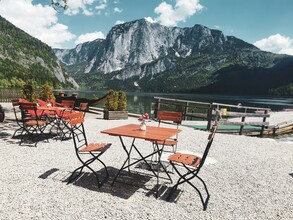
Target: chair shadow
[125, 185]
[163, 193]
[291, 174]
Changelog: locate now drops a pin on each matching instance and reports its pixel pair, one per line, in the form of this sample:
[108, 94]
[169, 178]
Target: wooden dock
[233, 119]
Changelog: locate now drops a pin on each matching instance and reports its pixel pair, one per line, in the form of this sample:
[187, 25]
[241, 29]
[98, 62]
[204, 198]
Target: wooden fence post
[157, 107]
[209, 116]
[242, 120]
[186, 110]
[263, 127]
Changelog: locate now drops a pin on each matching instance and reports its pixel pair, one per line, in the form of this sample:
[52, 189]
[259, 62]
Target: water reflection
[142, 102]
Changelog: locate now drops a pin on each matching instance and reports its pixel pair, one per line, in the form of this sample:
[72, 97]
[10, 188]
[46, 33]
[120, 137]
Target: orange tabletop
[152, 133]
[50, 108]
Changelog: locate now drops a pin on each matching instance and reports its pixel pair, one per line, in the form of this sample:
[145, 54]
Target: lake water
[141, 102]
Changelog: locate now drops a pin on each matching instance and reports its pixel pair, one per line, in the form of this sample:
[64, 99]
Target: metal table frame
[153, 134]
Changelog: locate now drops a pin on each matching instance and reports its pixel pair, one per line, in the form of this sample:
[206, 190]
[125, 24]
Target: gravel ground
[248, 178]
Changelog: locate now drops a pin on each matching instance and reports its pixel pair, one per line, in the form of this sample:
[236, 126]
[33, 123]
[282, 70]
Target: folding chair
[83, 107]
[192, 165]
[82, 147]
[68, 103]
[65, 120]
[32, 123]
[63, 126]
[171, 117]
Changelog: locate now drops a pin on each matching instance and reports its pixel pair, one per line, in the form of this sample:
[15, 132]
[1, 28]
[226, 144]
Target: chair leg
[183, 179]
[70, 179]
[17, 131]
[86, 164]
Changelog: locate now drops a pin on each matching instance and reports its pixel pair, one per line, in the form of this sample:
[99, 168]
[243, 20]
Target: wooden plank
[180, 100]
[242, 114]
[239, 107]
[243, 123]
[197, 115]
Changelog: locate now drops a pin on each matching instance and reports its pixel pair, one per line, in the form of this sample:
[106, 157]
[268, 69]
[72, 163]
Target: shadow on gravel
[125, 185]
[163, 193]
[291, 174]
[6, 127]
[48, 173]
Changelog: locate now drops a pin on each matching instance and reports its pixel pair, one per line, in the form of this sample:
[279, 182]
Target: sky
[268, 24]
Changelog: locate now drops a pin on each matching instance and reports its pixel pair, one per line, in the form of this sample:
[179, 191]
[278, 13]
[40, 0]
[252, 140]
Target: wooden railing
[8, 95]
[229, 114]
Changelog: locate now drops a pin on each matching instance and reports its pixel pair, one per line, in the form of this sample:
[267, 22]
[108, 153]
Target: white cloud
[89, 37]
[183, 9]
[119, 22]
[149, 19]
[101, 6]
[86, 7]
[77, 6]
[277, 44]
[117, 10]
[37, 20]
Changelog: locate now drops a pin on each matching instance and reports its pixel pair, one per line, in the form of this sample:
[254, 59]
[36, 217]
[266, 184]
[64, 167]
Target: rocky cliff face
[140, 42]
[143, 55]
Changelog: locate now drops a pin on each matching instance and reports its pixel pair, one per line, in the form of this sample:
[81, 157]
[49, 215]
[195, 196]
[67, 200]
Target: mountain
[140, 55]
[24, 58]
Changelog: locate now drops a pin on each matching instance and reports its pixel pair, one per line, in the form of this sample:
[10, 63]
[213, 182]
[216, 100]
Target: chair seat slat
[101, 147]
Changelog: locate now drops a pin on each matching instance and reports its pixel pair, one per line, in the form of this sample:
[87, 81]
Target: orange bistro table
[152, 133]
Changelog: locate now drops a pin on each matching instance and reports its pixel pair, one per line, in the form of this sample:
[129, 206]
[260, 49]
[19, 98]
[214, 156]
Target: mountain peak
[140, 49]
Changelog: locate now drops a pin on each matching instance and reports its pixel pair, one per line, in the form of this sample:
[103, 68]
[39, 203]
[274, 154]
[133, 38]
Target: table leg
[128, 159]
[160, 151]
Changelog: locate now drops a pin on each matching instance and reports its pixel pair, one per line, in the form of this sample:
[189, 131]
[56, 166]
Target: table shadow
[125, 185]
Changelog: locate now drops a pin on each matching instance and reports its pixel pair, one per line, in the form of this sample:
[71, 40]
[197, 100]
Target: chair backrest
[209, 144]
[76, 121]
[68, 103]
[28, 107]
[15, 104]
[75, 118]
[175, 117]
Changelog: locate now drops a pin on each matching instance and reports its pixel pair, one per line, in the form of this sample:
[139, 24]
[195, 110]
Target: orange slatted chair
[82, 147]
[33, 125]
[169, 116]
[192, 165]
[63, 127]
[65, 120]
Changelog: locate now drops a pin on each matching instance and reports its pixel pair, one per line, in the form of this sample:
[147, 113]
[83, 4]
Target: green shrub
[122, 102]
[116, 101]
[28, 92]
[46, 93]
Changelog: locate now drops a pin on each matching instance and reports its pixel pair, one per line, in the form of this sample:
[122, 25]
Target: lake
[141, 102]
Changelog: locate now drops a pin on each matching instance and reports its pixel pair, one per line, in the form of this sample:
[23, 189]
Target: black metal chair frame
[66, 133]
[192, 172]
[32, 130]
[80, 141]
[15, 103]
